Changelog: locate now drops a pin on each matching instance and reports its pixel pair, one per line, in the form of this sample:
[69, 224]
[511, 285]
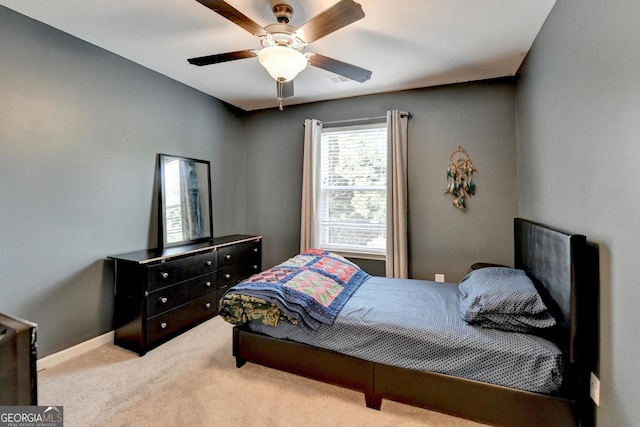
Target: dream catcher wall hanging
[460, 178]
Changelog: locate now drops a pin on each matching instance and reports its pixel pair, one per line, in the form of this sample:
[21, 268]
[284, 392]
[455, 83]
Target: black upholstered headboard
[560, 264]
[565, 269]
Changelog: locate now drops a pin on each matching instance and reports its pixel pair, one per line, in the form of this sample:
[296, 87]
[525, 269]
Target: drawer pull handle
[164, 274]
[255, 267]
[208, 305]
[227, 276]
[163, 300]
[255, 250]
[209, 263]
[163, 325]
[208, 284]
[227, 256]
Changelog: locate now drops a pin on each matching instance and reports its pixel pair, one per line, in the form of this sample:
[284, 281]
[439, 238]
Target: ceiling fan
[283, 44]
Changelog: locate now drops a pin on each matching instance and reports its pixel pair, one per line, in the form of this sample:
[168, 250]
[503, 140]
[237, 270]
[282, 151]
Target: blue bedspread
[310, 288]
[416, 324]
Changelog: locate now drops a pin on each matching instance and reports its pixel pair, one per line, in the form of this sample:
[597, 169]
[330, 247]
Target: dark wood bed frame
[564, 267]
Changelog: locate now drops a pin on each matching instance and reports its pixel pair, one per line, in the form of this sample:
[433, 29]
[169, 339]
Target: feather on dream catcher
[460, 178]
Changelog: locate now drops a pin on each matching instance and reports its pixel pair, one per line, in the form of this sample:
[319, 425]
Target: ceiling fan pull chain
[279, 99]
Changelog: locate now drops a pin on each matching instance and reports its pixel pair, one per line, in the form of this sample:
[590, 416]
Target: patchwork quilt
[309, 289]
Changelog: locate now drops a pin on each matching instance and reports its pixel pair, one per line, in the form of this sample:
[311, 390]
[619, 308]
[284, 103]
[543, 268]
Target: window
[353, 189]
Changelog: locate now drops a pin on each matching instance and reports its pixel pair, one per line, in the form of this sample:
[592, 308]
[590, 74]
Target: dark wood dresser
[161, 293]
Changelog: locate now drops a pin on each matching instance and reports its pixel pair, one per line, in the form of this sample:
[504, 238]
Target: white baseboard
[76, 350]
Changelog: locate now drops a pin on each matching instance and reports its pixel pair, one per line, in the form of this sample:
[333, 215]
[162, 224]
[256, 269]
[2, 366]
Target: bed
[563, 268]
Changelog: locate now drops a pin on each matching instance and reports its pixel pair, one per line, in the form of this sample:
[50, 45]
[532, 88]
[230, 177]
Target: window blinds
[353, 188]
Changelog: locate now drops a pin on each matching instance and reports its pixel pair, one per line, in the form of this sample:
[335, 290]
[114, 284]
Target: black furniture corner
[18, 354]
[160, 293]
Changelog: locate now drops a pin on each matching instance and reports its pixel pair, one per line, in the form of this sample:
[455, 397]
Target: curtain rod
[366, 119]
[363, 120]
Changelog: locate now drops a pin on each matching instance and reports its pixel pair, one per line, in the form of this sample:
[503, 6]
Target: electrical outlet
[594, 389]
[439, 277]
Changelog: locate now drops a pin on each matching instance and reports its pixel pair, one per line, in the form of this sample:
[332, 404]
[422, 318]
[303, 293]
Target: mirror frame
[207, 235]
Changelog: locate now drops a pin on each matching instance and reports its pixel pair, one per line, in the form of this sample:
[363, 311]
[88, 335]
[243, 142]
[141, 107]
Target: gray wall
[79, 132]
[478, 116]
[578, 104]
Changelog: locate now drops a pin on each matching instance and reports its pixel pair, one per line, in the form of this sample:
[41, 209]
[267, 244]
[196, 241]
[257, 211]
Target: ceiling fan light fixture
[282, 63]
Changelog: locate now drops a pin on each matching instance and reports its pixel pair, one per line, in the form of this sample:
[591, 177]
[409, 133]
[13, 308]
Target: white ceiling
[407, 44]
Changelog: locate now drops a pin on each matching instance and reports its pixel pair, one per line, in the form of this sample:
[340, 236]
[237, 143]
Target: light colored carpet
[192, 381]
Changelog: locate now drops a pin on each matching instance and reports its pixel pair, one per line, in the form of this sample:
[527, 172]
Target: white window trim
[358, 255]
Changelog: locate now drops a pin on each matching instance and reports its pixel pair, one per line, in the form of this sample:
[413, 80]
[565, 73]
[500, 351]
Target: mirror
[185, 201]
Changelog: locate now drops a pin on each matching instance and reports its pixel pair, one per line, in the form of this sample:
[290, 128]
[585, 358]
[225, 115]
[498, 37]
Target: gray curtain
[192, 226]
[397, 264]
[311, 159]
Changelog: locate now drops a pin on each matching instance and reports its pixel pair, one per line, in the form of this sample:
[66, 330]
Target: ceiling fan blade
[350, 71]
[337, 16]
[287, 89]
[232, 14]
[222, 57]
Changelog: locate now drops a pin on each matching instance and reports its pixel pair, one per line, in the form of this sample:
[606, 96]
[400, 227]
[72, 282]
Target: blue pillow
[502, 298]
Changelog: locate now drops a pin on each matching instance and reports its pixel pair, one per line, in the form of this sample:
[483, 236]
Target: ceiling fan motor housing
[282, 35]
[283, 13]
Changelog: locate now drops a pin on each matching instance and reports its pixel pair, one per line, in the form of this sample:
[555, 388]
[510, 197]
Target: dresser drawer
[247, 252]
[229, 276]
[170, 272]
[173, 296]
[181, 317]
